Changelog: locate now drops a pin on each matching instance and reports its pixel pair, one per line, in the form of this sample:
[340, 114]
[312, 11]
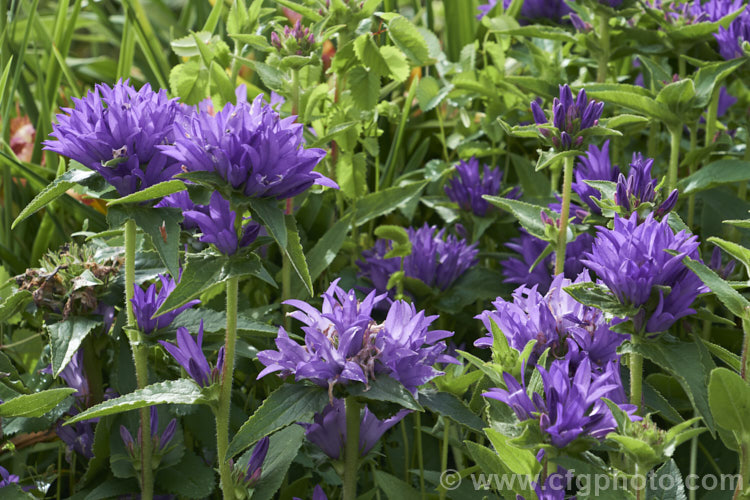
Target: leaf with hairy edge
[53, 191]
[189, 81]
[407, 37]
[177, 392]
[286, 405]
[296, 254]
[327, 247]
[65, 339]
[731, 298]
[34, 405]
[450, 406]
[283, 447]
[527, 214]
[202, 271]
[641, 103]
[268, 212]
[672, 490]
[386, 389]
[393, 487]
[150, 193]
[715, 174]
[382, 202]
[14, 303]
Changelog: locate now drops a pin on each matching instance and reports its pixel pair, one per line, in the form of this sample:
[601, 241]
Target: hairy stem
[636, 375]
[444, 451]
[674, 155]
[351, 452]
[691, 167]
[562, 237]
[225, 394]
[420, 457]
[140, 359]
[713, 108]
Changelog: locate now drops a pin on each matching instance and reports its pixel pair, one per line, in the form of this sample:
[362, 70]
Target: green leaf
[551, 157]
[517, 460]
[397, 234]
[599, 296]
[306, 12]
[54, 190]
[407, 37]
[728, 357]
[186, 46]
[729, 397]
[527, 214]
[393, 487]
[369, 55]
[156, 191]
[386, 389]
[715, 174]
[382, 202]
[711, 75]
[676, 486]
[66, 337]
[286, 405]
[737, 251]
[191, 478]
[365, 87]
[162, 226]
[540, 31]
[268, 212]
[327, 247]
[627, 98]
[189, 81]
[296, 254]
[689, 362]
[450, 406]
[34, 405]
[728, 296]
[13, 304]
[351, 175]
[220, 79]
[283, 447]
[398, 66]
[258, 42]
[429, 93]
[181, 391]
[203, 271]
[272, 77]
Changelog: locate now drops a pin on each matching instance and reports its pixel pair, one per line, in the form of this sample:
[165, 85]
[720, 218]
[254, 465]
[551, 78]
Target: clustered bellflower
[595, 165]
[730, 39]
[632, 262]
[532, 10]
[147, 302]
[250, 147]
[555, 321]
[569, 117]
[436, 259]
[344, 344]
[118, 131]
[297, 41]
[328, 430]
[189, 354]
[639, 187]
[471, 182]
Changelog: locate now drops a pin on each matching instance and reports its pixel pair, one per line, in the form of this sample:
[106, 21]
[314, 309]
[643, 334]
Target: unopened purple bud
[578, 23]
[168, 434]
[565, 141]
[621, 193]
[154, 422]
[275, 41]
[668, 204]
[546, 219]
[579, 140]
[539, 117]
[127, 438]
[255, 464]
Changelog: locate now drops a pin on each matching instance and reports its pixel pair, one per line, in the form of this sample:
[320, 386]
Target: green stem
[693, 462]
[601, 75]
[405, 437]
[713, 108]
[640, 493]
[691, 167]
[351, 451]
[562, 237]
[420, 457]
[675, 134]
[140, 360]
[295, 92]
[444, 451]
[636, 375]
[225, 394]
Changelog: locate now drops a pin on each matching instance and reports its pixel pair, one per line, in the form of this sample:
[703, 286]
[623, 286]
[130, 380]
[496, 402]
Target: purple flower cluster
[639, 187]
[569, 117]
[436, 259]
[595, 165]
[631, 260]
[147, 302]
[472, 182]
[572, 404]
[533, 10]
[118, 131]
[344, 344]
[730, 39]
[250, 147]
[189, 354]
[555, 321]
[328, 430]
[159, 442]
[296, 41]
[216, 221]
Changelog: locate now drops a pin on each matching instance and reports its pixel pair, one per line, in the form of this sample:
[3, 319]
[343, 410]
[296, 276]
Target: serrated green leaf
[393, 487]
[715, 174]
[34, 405]
[729, 397]
[385, 201]
[13, 304]
[150, 193]
[527, 214]
[407, 37]
[54, 190]
[189, 81]
[66, 337]
[386, 389]
[728, 296]
[296, 254]
[181, 391]
[398, 66]
[450, 406]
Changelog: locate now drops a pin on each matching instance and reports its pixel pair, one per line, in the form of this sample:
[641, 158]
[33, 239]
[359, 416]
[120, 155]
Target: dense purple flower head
[640, 187]
[571, 405]
[569, 117]
[471, 182]
[436, 259]
[595, 165]
[328, 430]
[216, 222]
[117, 131]
[632, 262]
[528, 248]
[251, 147]
[296, 41]
[6, 478]
[730, 39]
[147, 302]
[189, 354]
[532, 10]
[344, 344]
[556, 321]
[255, 464]
[700, 11]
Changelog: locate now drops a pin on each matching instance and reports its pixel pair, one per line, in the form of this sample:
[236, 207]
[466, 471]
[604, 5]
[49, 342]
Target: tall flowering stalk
[569, 118]
[257, 154]
[119, 132]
